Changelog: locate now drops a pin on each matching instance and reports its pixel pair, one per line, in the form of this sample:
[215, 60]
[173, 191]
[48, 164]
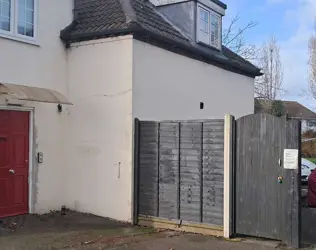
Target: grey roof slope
[103, 18]
[293, 109]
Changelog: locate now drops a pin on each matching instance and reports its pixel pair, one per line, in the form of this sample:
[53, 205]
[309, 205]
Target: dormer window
[208, 27]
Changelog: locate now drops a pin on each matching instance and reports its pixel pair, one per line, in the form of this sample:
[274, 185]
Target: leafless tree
[233, 38]
[312, 65]
[267, 57]
[269, 86]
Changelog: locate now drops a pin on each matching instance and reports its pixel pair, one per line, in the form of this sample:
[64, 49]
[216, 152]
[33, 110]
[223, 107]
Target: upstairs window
[209, 27]
[18, 19]
[26, 17]
[204, 21]
[215, 31]
[5, 15]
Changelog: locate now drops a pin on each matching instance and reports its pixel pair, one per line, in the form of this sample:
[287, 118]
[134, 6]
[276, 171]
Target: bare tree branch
[233, 38]
[269, 86]
[238, 36]
[312, 65]
[227, 33]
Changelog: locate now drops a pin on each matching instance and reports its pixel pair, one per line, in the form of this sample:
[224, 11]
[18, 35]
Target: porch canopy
[35, 94]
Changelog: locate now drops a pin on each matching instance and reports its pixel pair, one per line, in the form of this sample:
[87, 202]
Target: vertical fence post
[201, 175]
[179, 178]
[296, 216]
[228, 175]
[299, 187]
[135, 186]
[158, 168]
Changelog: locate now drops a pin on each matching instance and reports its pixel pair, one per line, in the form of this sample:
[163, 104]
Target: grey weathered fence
[180, 168]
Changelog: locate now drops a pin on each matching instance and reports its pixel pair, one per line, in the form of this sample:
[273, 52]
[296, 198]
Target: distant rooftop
[293, 109]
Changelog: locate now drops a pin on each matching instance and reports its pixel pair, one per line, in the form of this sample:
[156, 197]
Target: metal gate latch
[280, 179]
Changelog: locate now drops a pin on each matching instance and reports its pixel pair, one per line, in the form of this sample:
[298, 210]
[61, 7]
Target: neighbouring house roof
[292, 109]
[103, 18]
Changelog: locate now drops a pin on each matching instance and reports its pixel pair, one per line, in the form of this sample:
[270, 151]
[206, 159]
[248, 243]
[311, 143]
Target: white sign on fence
[290, 158]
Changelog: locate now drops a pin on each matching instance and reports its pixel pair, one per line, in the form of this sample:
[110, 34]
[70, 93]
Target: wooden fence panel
[181, 170]
[190, 171]
[213, 172]
[148, 168]
[169, 170]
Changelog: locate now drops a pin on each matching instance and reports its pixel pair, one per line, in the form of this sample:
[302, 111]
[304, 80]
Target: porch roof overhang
[34, 94]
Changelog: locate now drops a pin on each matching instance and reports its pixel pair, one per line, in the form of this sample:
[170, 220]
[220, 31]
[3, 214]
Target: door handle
[11, 171]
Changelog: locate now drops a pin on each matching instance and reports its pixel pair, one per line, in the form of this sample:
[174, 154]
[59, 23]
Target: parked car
[307, 168]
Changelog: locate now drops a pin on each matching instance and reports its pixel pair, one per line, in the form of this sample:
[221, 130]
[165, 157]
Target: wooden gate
[267, 194]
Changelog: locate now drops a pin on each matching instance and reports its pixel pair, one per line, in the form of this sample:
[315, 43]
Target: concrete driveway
[83, 231]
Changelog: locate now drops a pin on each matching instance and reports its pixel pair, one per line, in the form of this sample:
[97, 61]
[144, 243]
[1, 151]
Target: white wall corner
[228, 133]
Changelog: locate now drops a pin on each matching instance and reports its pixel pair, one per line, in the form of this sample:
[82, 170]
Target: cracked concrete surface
[84, 231]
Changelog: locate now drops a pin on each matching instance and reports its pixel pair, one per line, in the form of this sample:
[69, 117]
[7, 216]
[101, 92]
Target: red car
[312, 190]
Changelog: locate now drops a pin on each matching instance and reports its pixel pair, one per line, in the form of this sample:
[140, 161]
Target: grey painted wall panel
[181, 15]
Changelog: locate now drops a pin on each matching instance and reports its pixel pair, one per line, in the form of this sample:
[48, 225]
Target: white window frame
[203, 37]
[218, 32]
[11, 26]
[13, 33]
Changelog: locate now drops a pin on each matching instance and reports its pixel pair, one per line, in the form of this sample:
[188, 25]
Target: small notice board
[290, 158]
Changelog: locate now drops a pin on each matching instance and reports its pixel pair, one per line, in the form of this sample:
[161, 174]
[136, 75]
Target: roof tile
[97, 16]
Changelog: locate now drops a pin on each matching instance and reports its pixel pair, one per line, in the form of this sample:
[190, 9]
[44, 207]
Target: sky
[292, 23]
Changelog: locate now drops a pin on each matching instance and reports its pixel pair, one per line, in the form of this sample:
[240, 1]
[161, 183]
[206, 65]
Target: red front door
[14, 162]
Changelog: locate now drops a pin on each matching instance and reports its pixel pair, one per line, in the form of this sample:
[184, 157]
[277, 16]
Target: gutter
[90, 35]
[134, 28]
[303, 118]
